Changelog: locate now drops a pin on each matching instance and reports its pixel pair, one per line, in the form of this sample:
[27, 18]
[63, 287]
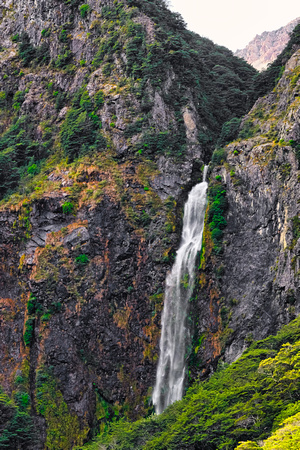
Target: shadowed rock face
[265, 48]
[253, 284]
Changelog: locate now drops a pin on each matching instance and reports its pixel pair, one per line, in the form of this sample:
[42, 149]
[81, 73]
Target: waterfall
[179, 288]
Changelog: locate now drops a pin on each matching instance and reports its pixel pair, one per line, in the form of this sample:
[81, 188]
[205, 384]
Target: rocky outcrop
[265, 48]
[249, 287]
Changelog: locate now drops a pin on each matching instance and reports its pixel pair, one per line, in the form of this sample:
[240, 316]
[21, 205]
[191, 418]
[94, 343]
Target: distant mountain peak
[265, 47]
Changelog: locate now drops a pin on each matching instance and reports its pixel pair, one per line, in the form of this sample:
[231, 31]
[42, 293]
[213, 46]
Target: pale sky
[234, 23]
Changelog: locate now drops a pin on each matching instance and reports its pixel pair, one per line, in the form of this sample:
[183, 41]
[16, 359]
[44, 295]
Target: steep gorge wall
[86, 243]
[249, 278]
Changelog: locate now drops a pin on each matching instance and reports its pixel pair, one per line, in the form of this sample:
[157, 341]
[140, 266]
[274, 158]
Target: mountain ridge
[263, 49]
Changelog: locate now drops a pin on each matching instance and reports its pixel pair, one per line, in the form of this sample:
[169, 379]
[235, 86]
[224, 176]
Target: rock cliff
[108, 112]
[265, 48]
[249, 276]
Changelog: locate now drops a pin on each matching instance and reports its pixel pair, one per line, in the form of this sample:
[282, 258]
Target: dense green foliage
[221, 84]
[82, 259]
[30, 54]
[16, 426]
[229, 131]
[63, 428]
[19, 149]
[177, 63]
[84, 9]
[37, 311]
[216, 210]
[243, 401]
[80, 132]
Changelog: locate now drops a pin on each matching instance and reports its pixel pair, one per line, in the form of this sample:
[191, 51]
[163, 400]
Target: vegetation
[80, 132]
[82, 259]
[215, 213]
[244, 401]
[19, 150]
[17, 430]
[84, 9]
[30, 54]
[63, 428]
[68, 207]
[222, 86]
[229, 131]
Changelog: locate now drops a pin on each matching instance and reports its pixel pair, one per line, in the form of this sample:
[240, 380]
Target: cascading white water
[179, 289]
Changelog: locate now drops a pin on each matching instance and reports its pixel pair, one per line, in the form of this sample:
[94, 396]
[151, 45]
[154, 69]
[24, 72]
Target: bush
[99, 99]
[2, 99]
[229, 131]
[28, 53]
[68, 208]
[17, 151]
[82, 260]
[76, 132]
[18, 99]
[217, 207]
[80, 132]
[64, 59]
[29, 332]
[33, 169]
[218, 156]
[84, 9]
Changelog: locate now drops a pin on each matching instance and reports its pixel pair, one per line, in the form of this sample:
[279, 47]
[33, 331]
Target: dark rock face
[259, 251]
[251, 288]
[98, 282]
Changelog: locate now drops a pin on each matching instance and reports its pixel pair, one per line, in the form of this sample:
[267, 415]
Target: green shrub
[218, 156]
[46, 317]
[34, 308]
[63, 37]
[64, 59]
[29, 332]
[46, 32]
[28, 53]
[82, 260]
[33, 169]
[2, 99]
[216, 209]
[229, 131]
[17, 430]
[106, 69]
[68, 208]
[99, 99]
[15, 38]
[17, 151]
[77, 132]
[80, 132]
[85, 102]
[249, 130]
[84, 9]
[18, 99]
